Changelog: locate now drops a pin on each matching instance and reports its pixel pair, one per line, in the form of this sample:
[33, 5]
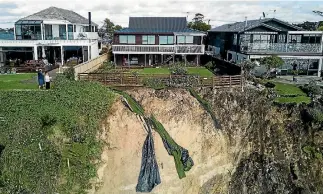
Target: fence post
[213, 80]
[121, 78]
[230, 82]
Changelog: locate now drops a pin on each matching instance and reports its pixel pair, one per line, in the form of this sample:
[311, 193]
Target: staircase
[168, 59]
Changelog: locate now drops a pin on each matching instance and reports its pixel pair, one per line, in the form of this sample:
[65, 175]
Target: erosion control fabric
[149, 173]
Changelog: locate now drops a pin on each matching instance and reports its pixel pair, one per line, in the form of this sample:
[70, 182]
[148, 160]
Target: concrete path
[301, 80]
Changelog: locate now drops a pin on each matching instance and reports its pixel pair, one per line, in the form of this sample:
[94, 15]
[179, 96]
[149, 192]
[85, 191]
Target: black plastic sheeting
[149, 176]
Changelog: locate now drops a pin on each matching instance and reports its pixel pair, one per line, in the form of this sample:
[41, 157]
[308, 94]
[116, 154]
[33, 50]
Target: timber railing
[129, 79]
[89, 66]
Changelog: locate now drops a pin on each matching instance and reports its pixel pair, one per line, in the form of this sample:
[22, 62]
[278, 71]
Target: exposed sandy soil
[189, 125]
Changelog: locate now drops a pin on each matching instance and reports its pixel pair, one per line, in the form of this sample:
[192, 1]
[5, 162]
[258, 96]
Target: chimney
[90, 23]
[246, 22]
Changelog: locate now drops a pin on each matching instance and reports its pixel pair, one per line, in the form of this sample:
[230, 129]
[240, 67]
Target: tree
[198, 23]
[271, 62]
[320, 28]
[246, 67]
[108, 29]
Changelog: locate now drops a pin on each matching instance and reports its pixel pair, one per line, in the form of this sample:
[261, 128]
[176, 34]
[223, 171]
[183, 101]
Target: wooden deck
[131, 80]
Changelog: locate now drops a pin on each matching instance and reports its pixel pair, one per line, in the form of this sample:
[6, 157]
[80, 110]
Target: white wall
[94, 50]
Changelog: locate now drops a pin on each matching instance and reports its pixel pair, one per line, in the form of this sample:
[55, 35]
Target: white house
[55, 34]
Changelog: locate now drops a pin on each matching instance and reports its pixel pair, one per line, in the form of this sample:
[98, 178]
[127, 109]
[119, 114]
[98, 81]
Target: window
[294, 38]
[185, 39]
[62, 32]
[166, 39]
[235, 39]
[189, 39]
[148, 39]
[281, 38]
[311, 38]
[48, 32]
[127, 39]
[263, 38]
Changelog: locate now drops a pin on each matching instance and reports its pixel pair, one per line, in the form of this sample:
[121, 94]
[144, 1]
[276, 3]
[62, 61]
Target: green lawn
[18, 81]
[165, 71]
[286, 90]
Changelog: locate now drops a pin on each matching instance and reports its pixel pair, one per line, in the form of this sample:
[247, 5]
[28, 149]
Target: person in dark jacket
[40, 79]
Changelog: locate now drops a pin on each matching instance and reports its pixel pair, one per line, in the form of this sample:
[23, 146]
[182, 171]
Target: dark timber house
[157, 40]
[254, 39]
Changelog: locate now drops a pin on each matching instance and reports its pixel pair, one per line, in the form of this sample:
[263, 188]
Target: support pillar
[62, 56]
[198, 60]
[174, 59]
[66, 32]
[88, 53]
[35, 53]
[162, 58]
[42, 31]
[129, 60]
[319, 73]
[114, 59]
[43, 52]
[145, 61]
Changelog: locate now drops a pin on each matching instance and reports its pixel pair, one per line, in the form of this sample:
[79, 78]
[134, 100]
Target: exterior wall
[94, 50]
[139, 38]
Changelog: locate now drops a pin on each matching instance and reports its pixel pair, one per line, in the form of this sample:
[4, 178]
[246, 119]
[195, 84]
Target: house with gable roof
[157, 40]
[253, 39]
[54, 34]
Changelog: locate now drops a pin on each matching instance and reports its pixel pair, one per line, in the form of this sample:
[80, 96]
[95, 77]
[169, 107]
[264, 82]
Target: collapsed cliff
[258, 149]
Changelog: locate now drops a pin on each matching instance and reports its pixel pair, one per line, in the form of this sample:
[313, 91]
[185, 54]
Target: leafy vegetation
[18, 81]
[271, 62]
[198, 23]
[49, 138]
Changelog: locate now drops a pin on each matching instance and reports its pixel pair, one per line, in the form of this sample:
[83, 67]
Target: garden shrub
[69, 73]
[312, 89]
[50, 137]
[178, 69]
[154, 83]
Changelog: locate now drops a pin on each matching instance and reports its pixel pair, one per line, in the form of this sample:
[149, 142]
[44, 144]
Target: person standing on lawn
[40, 79]
[47, 81]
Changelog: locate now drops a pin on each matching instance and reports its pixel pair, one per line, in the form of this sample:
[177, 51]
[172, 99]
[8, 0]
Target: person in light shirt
[47, 81]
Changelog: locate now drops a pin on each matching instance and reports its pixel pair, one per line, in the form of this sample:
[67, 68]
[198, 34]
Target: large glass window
[294, 38]
[48, 32]
[18, 32]
[185, 39]
[263, 38]
[311, 38]
[127, 39]
[62, 32]
[70, 32]
[235, 39]
[166, 39]
[148, 39]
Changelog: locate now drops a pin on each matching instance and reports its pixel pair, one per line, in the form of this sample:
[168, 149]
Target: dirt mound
[188, 124]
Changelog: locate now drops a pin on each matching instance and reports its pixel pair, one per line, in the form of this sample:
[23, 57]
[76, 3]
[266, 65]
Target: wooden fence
[129, 79]
[91, 65]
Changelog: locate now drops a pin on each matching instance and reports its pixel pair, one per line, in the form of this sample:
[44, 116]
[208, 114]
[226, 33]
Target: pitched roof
[240, 26]
[157, 25]
[54, 13]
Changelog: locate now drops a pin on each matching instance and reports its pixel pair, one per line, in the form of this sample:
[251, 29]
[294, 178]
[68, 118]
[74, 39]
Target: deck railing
[281, 48]
[13, 43]
[155, 49]
[129, 79]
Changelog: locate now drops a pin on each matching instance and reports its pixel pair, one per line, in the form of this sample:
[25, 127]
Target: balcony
[86, 35]
[32, 43]
[272, 48]
[158, 49]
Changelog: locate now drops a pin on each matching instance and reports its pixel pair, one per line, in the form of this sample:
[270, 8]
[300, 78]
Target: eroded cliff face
[258, 149]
